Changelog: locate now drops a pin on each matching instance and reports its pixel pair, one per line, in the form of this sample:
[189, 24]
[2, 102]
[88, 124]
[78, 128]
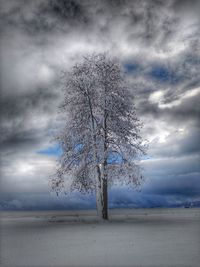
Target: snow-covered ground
[151, 237]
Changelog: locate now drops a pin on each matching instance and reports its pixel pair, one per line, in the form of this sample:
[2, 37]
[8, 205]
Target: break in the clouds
[158, 45]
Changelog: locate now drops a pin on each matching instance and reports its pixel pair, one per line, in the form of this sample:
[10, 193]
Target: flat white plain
[140, 237]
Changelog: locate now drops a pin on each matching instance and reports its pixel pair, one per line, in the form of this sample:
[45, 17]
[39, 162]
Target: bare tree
[101, 139]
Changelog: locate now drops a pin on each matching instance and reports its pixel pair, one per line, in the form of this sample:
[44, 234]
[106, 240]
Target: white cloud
[27, 172]
[158, 97]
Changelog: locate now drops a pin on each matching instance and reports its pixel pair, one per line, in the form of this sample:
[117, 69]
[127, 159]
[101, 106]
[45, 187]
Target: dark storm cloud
[40, 98]
[187, 185]
[17, 113]
[158, 44]
[118, 198]
[186, 6]
[126, 198]
[148, 22]
[44, 16]
[189, 110]
[45, 201]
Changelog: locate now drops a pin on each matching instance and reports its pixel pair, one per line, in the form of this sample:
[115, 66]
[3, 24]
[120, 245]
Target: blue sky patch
[51, 151]
[163, 74]
[131, 67]
[114, 158]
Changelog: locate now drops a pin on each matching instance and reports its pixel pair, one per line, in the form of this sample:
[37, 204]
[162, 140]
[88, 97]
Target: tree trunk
[98, 193]
[104, 190]
[104, 195]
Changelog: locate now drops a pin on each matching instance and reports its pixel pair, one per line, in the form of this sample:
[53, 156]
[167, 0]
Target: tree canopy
[101, 139]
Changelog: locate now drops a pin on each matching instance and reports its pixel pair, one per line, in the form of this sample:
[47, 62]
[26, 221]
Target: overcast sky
[158, 45]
